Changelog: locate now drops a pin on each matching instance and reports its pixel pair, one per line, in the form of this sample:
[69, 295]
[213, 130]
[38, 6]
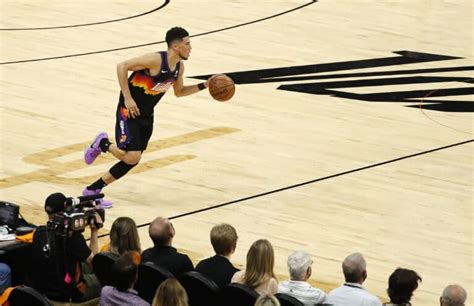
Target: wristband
[201, 86]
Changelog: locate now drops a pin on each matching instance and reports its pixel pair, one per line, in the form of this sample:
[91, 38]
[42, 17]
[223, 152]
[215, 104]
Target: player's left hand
[208, 80]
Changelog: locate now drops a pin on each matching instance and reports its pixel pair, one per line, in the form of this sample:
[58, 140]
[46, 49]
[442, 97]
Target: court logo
[440, 97]
[61, 165]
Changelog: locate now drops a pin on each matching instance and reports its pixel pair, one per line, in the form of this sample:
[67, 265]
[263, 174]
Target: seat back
[102, 264]
[150, 276]
[288, 300]
[238, 295]
[24, 295]
[201, 290]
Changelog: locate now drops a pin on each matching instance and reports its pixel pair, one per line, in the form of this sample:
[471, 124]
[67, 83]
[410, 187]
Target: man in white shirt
[299, 266]
[352, 293]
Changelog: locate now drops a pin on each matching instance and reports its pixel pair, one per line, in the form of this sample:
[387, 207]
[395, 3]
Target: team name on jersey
[161, 87]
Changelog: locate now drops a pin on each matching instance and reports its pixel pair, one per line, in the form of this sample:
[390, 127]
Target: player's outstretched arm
[180, 90]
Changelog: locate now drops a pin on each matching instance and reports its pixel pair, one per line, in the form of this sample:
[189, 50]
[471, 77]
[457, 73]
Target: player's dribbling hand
[133, 110]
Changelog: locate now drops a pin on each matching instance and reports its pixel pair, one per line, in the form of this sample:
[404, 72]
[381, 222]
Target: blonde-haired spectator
[124, 237]
[170, 293]
[259, 274]
[267, 300]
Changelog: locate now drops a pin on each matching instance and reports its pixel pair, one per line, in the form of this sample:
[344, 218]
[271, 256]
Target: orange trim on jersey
[147, 83]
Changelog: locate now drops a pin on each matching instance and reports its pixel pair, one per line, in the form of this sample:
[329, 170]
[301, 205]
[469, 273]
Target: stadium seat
[288, 300]
[238, 295]
[102, 265]
[201, 290]
[150, 276]
[24, 295]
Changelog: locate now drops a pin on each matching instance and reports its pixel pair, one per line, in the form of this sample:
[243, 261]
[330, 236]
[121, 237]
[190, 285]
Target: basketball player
[153, 74]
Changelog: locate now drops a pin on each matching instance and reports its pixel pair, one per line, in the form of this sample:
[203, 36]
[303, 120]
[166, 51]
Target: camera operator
[62, 264]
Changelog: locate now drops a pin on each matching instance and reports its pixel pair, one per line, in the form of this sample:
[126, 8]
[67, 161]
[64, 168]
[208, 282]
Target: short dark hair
[124, 271]
[223, 239]
[55, 203]
[176, 33]
[401, 285]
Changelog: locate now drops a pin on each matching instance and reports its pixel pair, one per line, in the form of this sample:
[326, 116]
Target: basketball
[222, 88]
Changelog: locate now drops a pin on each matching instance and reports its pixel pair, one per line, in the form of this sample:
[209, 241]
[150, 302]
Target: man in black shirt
[58, 261]
[161, 231]
[219, 268]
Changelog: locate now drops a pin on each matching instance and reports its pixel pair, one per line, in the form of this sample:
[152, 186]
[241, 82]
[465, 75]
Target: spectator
[453, 295]
[299, 265]
[219, 268]
[124, 271]
[62, 268]
[401, 285]
[163, 254]
[5, 277]
[352, 293]
[124, 237]
[258, 273]
[267, 300]
[170, 293]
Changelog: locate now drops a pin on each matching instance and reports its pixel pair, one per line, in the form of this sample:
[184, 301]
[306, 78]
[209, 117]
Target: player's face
[183, 48]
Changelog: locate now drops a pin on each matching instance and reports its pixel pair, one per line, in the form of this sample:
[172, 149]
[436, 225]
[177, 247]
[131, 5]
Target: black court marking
[291, 73]
[310, 182]
[88, 24]
[158, 42]
[343, 88]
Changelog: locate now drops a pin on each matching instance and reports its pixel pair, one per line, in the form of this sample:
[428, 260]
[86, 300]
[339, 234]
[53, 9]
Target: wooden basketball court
[350, 130]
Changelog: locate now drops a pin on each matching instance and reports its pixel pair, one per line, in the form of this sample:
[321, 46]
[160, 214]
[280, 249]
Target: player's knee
[132, 158]
[120, 169]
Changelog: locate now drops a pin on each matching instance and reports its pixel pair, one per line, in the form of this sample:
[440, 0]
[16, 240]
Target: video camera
[73, 214]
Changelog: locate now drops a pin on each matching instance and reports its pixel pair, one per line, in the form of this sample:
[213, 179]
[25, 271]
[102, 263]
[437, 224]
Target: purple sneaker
[92, 151]
[103, 204]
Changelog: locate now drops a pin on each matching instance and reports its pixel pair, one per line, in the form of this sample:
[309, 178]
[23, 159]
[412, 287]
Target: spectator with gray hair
[299, 265]
[352, 293]
[453, 295]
